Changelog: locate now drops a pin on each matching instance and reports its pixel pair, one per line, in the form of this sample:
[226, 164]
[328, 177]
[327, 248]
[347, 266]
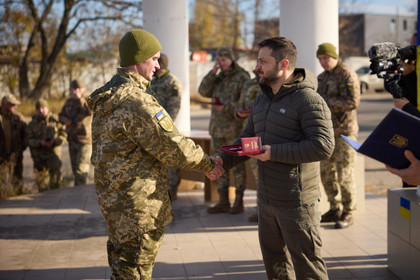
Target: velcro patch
[165, 122]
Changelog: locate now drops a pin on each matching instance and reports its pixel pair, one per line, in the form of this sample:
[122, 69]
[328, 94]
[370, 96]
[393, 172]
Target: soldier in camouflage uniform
[45, 136]
[225, 125]
[77, 117]
[134, 140]
[340, 88]
[167, 90]
[12, 145]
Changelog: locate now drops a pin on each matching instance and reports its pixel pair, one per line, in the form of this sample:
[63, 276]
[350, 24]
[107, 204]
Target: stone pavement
[61, 234]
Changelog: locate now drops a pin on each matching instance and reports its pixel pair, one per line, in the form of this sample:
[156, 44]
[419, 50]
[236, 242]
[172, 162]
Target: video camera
[386, 62]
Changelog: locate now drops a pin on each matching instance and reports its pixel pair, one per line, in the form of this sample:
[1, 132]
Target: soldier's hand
[242, 114]
[264, 156]
[216, 67]
[218, 169]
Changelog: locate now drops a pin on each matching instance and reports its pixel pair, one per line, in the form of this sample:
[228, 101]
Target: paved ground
[61, 234]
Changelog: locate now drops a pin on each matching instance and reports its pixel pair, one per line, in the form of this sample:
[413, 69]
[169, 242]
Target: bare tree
[52, 24]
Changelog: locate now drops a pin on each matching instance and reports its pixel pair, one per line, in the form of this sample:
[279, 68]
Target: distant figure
[45, 137]
[12, 145]
[77, 117]
[340, 87]
[167, 90]
[225, 81]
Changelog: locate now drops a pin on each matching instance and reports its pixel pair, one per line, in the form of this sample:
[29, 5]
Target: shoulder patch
[164, 121]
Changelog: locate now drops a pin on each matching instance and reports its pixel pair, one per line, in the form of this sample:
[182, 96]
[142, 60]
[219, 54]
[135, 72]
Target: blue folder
[397, 132]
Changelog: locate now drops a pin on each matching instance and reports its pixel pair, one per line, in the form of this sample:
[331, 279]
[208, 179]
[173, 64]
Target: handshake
[218, 169]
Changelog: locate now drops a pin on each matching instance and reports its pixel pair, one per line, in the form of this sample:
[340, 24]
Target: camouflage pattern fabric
[239, 171]
[167, 90]
[12, 143]
[227, 86]
[78, 112]
[340, 88]
[250, 91]
[135, 258]
[47, 161]
[80, 161]
[133, 141]
[337, 175]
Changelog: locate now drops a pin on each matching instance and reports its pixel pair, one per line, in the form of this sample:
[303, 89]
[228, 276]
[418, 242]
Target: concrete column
[308, 24]
[168, 21]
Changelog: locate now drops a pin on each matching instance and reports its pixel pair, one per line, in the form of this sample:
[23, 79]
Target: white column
[168, 21]
[309, 23]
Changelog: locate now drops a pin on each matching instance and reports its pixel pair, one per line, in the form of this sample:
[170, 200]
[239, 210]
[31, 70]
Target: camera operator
[397, 66]
[408, 85]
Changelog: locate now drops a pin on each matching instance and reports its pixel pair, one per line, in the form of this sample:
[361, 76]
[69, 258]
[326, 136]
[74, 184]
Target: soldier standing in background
[45, 137]
[134, 140]
[77, 117]
[340, 88]
[250, 91]
[225, 125]
[167, 90]
[12, 145]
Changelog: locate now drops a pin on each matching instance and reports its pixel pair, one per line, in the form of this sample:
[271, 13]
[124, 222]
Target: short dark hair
[281, 48]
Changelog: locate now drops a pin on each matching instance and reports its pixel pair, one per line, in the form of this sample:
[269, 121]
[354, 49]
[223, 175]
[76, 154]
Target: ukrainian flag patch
[164, 121]
[350, 83]
[405, 208]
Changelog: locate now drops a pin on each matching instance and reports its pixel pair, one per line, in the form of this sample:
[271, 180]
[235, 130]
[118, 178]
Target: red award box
[250, 146]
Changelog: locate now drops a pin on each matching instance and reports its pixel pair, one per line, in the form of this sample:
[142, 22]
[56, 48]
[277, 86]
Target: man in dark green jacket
[295, 127]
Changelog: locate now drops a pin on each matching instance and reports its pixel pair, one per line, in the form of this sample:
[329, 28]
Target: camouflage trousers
[337, 175]
[11, 178]
[48, 172]
[80, 161]
[134, 259]
[239, 171]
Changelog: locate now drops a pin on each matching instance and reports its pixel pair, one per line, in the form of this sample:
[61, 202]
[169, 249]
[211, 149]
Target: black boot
[238, 206]
[223, 205]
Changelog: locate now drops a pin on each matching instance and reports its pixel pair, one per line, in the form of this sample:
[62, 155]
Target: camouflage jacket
[227, 86]
[133, 141]
[340, 88]
[18, 145]
[41, 128]
[250, 91]
[167, 90]
[78, 112]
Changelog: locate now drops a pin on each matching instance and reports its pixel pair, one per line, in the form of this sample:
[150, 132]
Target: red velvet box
[250, 146]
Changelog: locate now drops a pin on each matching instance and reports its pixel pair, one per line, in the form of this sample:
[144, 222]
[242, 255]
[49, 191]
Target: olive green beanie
[137, 46]
[226, 52]
[327, 49]
[41, 103]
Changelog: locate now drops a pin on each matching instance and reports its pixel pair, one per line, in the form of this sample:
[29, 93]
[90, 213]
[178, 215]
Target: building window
[392, 26]
[405, 25]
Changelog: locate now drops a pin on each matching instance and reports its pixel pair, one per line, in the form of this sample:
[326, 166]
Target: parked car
[369, 81]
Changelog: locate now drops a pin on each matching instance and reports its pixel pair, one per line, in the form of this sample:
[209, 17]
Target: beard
[271, 76]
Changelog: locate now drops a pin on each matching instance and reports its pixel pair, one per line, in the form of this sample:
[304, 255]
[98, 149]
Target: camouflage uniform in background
[340, 88]
[79, 136]
[134, 140]
[12, 145]
[226, 126]
[47, 161]
[167, 90]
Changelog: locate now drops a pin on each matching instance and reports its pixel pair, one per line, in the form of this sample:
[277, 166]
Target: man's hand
[218, 169]
[411, 174]
[242, 114]
[264, 156]
[400, 102]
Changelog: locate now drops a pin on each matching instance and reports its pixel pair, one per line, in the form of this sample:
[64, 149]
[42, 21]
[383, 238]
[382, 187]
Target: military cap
[76, 84]
[10, 98]
[327, 49]
[41, 103]
[137, 46]
[226, 52]
[163, 61]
